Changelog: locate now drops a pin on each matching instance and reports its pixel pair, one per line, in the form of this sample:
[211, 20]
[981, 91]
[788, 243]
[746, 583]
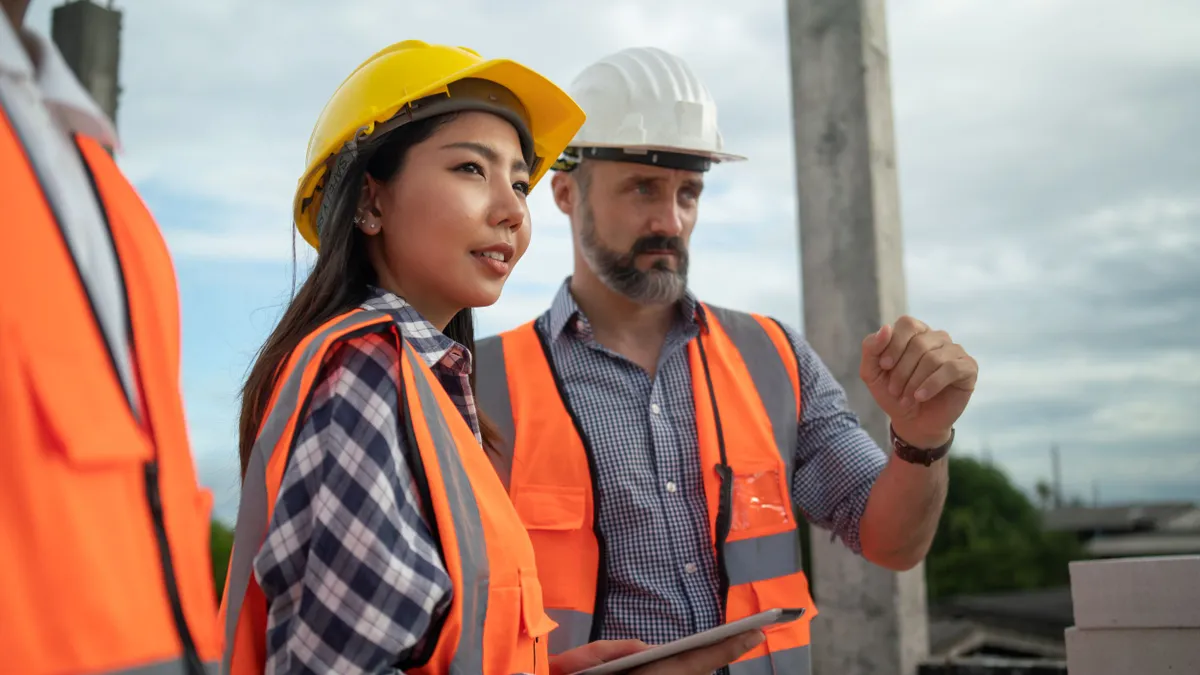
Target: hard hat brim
[716, 157]
[554, 119]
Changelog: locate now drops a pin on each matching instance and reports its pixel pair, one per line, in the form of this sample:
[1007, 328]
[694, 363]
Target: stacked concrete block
[1135, 616]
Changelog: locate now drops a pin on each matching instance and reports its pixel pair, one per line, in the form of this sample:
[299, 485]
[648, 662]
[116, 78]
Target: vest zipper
[191, 657]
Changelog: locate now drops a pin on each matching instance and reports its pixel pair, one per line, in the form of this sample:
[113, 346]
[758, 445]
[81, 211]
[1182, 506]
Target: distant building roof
[1159, 542]
[1124, 518]
[1045, 612]
[1026, 624]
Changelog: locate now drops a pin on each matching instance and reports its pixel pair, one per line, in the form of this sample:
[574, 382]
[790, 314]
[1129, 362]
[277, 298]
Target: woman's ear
[368, 217]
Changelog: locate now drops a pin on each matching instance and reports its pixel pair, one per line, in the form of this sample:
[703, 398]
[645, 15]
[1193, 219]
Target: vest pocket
[761, 504]
[79, 405]
[534, 619]
[517, 625]
[551, 507]
[558, 520]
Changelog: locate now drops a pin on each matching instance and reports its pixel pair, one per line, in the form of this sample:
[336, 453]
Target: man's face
[634, 225]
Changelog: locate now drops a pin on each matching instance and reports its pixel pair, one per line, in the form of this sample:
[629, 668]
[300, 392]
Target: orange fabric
[551, 482]
[516, 622]
[86, 592]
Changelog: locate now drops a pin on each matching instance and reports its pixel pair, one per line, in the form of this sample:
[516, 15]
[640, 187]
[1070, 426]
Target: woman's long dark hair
[339, 282]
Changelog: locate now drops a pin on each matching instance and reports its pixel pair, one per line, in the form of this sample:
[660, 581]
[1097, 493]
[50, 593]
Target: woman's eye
[522, 187]
[470, 167]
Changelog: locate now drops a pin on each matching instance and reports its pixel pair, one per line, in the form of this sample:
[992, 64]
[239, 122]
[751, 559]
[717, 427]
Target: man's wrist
[924, 455]
[923, 441]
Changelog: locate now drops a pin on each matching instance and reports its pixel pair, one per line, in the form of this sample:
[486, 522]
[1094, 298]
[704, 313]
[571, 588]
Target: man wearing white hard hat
[672, 446]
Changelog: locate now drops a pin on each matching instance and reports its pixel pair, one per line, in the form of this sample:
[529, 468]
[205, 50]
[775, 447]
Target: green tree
[991, 539]
[1045, 494]
[222, 544]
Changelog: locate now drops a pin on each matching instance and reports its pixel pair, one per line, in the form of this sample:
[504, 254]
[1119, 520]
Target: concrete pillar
[872, 621]
[89, 37]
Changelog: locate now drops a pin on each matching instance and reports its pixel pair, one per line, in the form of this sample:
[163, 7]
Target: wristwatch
[915, 455]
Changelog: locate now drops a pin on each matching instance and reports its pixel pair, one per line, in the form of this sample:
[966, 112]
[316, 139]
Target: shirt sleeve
[351, 573]
[837, 462]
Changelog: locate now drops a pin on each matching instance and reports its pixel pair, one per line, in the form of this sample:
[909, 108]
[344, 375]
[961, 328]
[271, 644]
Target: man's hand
[920, 378]
[696, 662]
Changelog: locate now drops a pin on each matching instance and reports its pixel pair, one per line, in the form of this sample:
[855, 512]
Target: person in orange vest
[109, 568]
[373, 534]
[675, 446]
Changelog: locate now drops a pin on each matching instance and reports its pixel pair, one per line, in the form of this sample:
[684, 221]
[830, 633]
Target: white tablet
[687, 644]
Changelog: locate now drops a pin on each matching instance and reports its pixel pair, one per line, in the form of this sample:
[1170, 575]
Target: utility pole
[872, 621]
[89, 37]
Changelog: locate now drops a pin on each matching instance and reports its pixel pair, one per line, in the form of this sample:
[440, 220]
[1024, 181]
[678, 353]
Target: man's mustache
[657, 243]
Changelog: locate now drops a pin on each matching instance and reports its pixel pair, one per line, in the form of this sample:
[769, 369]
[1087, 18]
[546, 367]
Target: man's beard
[655, 286]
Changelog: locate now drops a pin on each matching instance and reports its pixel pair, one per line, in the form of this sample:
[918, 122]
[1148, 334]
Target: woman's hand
[696, 662]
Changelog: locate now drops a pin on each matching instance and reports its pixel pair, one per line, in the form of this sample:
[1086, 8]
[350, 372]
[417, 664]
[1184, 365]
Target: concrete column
[89, 37]
[872, 621]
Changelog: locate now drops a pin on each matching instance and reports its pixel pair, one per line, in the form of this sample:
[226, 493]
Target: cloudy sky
[1049, 176]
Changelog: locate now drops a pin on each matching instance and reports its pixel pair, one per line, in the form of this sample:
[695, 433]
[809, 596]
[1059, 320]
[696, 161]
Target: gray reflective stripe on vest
[762, 558]
[172, 667]
[491, 392]
[769, 373]
[472, 592]
[794, 661]
[574, 629]
[251, 525]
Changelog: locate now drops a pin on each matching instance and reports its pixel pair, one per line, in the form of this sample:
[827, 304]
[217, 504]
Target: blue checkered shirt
[351, 573]
[662, 570]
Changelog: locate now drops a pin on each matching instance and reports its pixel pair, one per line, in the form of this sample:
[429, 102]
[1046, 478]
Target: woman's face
[447, 229]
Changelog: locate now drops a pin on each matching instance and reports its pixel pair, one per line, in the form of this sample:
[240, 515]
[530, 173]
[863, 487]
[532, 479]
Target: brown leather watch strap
[915, 455]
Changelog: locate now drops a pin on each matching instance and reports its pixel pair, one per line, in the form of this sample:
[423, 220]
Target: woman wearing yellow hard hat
[373, 533]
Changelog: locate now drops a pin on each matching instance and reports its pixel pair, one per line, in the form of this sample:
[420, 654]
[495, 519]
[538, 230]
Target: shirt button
[690, 568]
[655, 409]
[670, 486]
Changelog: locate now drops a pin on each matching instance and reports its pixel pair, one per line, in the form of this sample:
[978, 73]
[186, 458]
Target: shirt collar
[73, 108]
[564, 312]
[431, 344]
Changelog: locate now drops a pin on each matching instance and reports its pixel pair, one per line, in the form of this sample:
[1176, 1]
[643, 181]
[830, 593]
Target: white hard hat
[646, 105]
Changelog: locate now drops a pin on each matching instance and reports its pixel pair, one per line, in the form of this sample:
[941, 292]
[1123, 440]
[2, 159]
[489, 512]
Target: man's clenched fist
[920, 377]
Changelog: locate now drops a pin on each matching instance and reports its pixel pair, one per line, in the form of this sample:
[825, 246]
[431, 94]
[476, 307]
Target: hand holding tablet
[700, 653]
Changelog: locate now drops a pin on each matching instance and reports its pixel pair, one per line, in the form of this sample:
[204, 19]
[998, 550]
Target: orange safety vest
[747, 426]
[109, 569]
[496, 622]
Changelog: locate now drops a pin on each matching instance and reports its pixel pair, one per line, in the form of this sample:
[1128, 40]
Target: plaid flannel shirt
[351, 573]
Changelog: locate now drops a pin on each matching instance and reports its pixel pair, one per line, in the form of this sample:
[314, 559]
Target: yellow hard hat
[412, 80]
